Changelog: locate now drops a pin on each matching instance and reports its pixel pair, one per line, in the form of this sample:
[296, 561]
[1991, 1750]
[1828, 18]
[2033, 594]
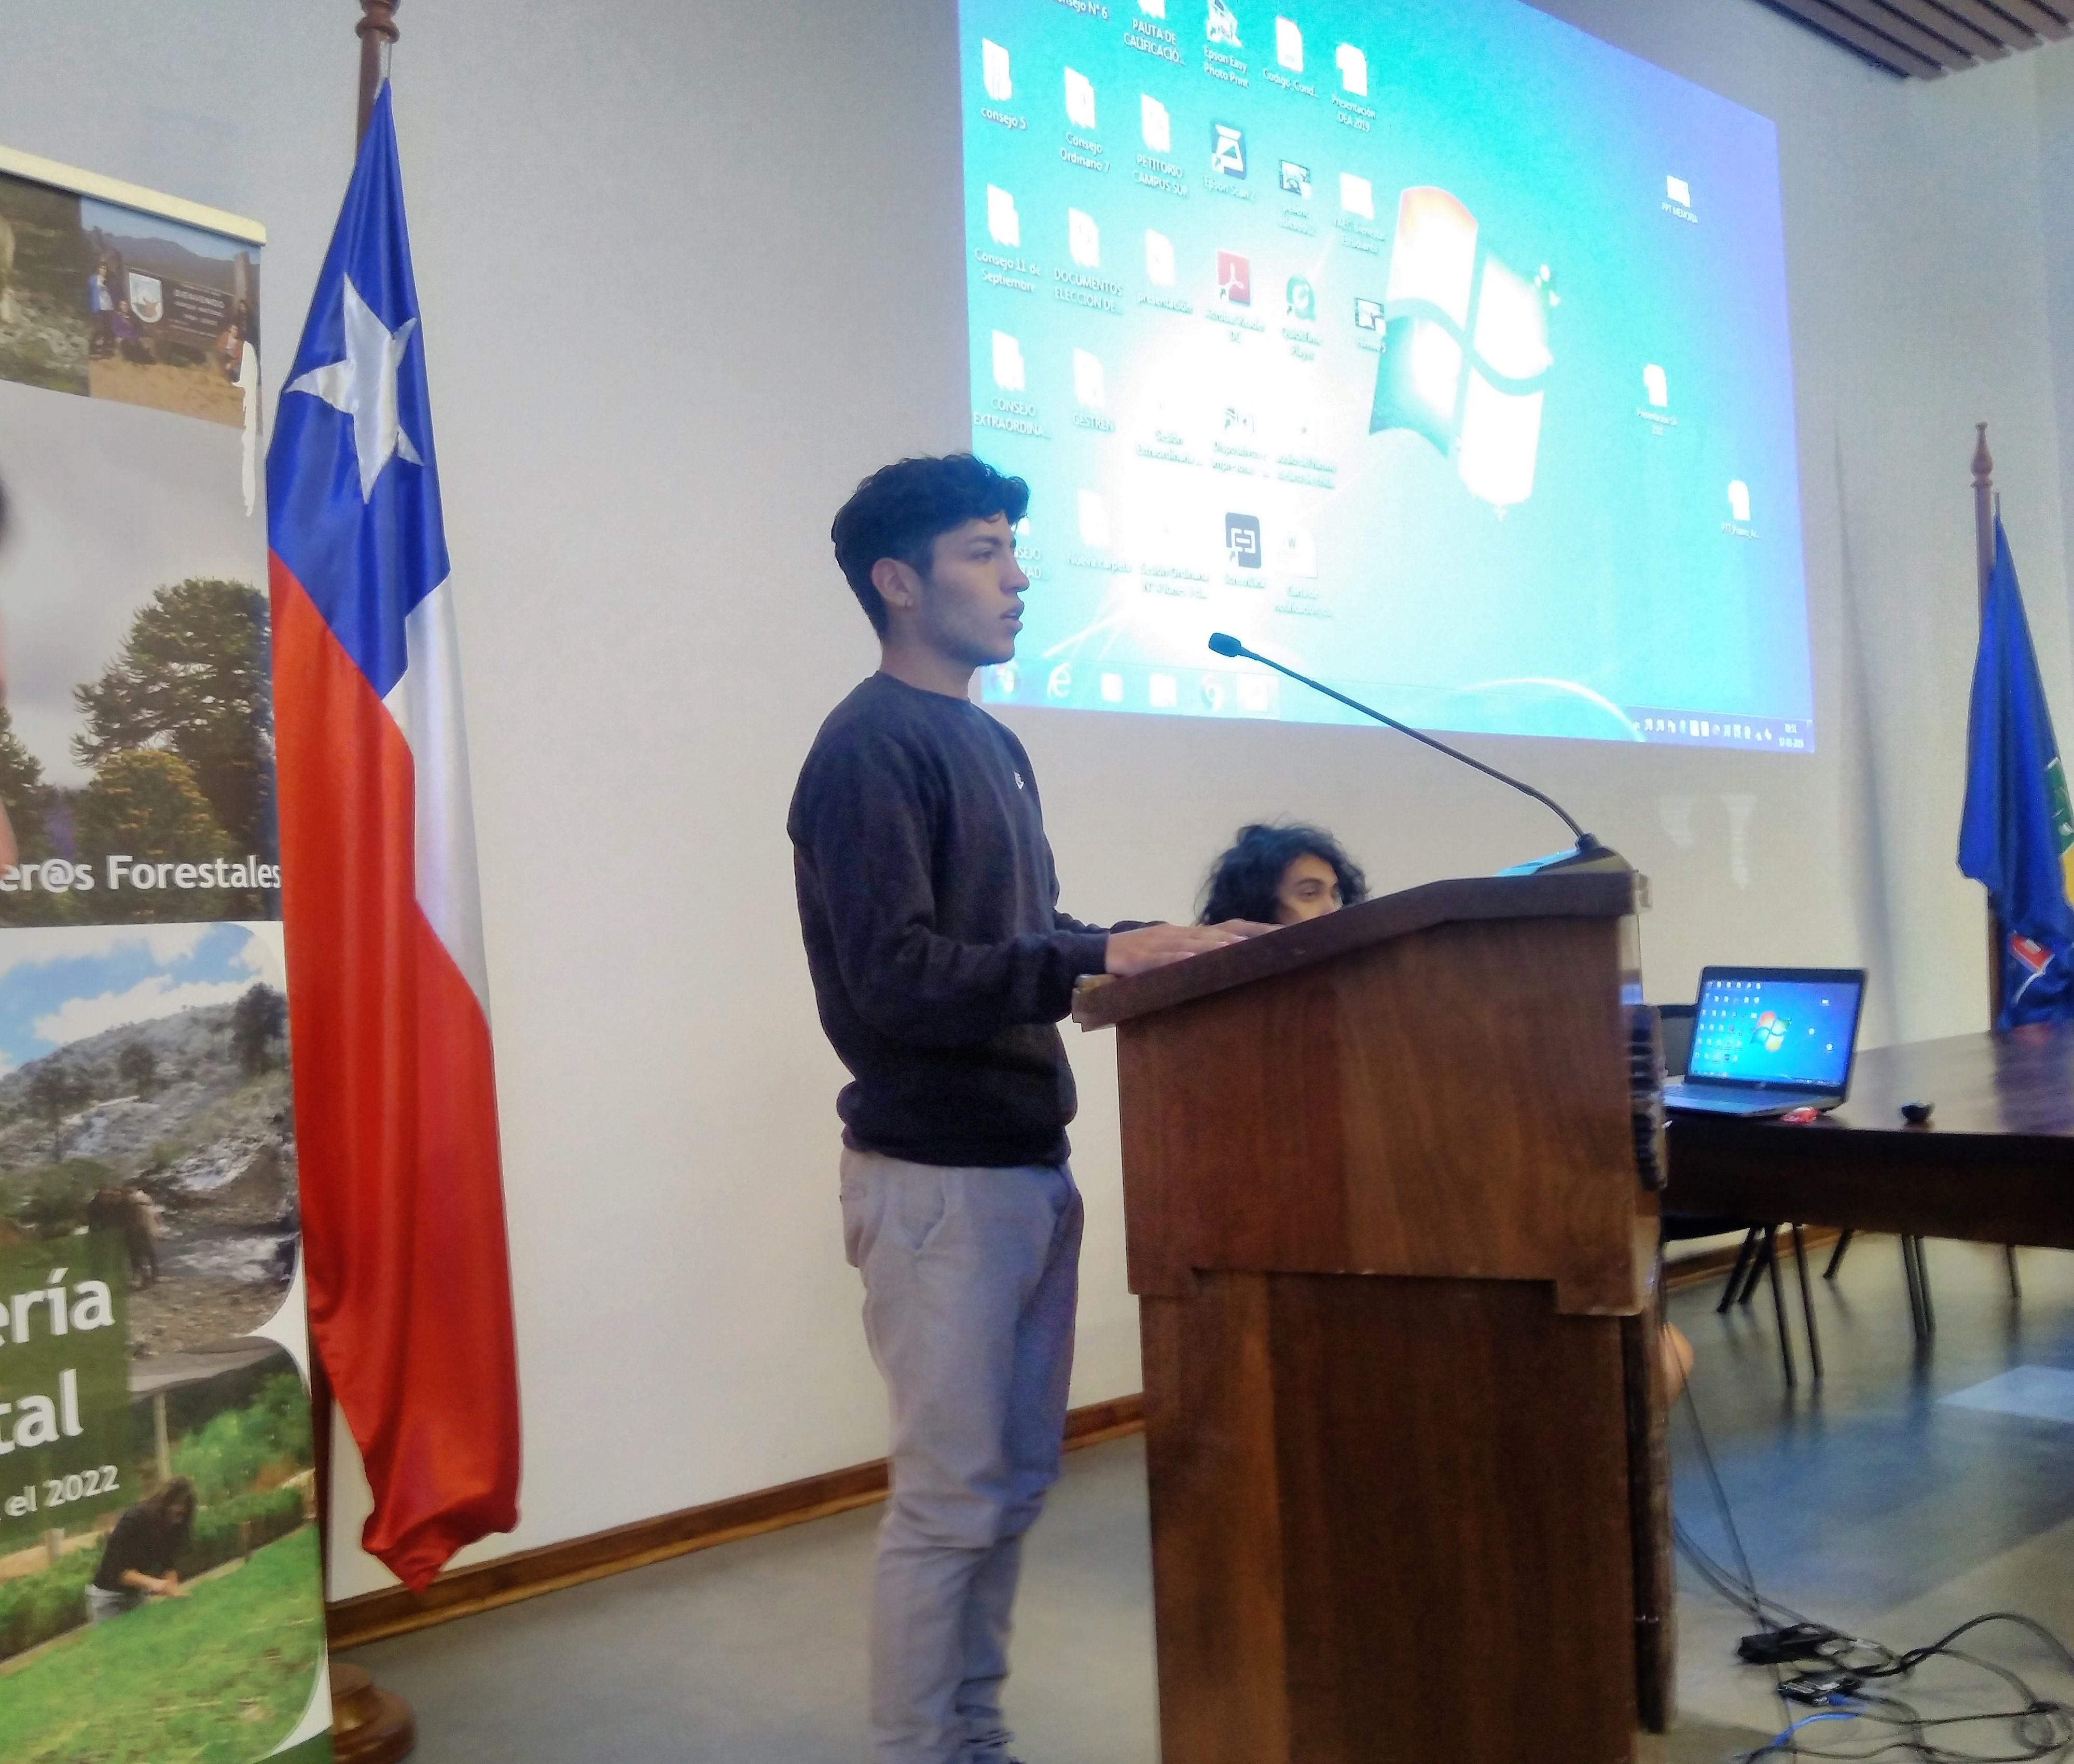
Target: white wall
[2056, 127]
[688, 272]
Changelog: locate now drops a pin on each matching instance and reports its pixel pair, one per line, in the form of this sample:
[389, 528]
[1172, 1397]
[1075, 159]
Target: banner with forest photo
[160, 1591]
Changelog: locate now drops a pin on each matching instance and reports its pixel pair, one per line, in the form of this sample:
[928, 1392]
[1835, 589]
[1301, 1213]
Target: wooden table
[1994, 1163]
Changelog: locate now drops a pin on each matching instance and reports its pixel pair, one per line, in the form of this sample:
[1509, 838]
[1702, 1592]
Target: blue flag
[2016, 838]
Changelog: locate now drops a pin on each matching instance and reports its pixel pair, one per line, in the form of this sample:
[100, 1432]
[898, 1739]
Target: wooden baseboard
[528, 1573]
[1693, 1270]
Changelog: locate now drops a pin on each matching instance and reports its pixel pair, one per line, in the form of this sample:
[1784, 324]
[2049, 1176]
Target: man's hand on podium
[1155, 946]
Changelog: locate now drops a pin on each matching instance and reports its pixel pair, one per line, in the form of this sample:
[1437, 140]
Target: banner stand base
[369, 1725]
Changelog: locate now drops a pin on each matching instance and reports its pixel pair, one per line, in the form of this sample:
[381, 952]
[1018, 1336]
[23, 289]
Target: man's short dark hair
[901, 510]
[1241, 883]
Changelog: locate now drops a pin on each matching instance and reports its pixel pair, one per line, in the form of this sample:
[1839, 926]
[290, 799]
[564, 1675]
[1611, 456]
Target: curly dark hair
[1241, 883]
[900, 510]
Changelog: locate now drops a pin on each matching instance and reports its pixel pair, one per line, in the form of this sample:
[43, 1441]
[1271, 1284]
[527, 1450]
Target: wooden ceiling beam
[2045, 20]
[1973, 26]
[1877, 15]
[1843, 28]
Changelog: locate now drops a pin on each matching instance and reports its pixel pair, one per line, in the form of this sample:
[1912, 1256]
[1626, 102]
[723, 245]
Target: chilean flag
[410, 1287]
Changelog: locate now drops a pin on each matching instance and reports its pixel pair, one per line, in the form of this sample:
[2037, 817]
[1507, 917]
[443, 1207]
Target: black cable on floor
[2043, 1726]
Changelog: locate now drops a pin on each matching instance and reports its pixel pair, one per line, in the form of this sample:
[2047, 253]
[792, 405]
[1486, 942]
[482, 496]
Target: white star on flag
[364, 387]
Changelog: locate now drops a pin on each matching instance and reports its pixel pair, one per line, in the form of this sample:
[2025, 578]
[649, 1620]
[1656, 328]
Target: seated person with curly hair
[1281, 875]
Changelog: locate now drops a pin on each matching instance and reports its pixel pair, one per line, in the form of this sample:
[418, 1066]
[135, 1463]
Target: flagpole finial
[1986, 511]
[378, 33]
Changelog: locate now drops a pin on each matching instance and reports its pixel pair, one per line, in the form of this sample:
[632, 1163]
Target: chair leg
[1910, 1277]
[1807, 1306]
[1753, 1276]
[1778, 1309]
[1736, 1274]
[2016, 1285]
[1837, 1255]
[1917, 1269]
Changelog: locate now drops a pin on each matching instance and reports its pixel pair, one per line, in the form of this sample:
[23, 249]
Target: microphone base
[1587, 855]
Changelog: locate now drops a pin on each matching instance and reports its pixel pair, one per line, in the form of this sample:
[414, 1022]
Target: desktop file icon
[1008, 373]
[1084, 237]
[1159, 259]
[1228, 150]
[994, 70]
[1158, 128]
[1354, 69]
[1289, 45]
[1089, 386]
[1358, 195]
[1079, 99]
[1002, 223]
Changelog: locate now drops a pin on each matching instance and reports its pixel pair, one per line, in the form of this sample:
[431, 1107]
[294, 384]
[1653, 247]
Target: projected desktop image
[1435, 348]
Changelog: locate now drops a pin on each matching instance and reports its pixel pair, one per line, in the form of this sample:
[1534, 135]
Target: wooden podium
[1394, 1254]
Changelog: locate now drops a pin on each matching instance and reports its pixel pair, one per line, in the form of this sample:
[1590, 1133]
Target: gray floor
[1868, 1502]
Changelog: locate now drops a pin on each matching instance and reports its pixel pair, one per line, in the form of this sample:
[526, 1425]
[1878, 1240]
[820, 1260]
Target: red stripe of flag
[404, 1243]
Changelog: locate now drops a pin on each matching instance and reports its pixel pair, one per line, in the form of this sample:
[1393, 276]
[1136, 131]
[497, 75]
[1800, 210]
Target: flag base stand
[369, 1725]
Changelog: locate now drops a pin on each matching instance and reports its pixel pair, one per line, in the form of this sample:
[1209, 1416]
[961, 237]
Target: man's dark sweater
[941, 961]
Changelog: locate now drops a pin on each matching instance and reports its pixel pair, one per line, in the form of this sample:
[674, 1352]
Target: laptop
[1768, 1039]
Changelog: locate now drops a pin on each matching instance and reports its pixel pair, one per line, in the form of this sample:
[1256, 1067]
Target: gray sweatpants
[970, 1279]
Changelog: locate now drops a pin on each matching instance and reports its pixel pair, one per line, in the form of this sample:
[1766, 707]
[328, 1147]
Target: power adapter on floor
[1820, 1689]
[1796, 1642]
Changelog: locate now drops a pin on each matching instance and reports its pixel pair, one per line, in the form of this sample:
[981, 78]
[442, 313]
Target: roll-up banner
[160, 1591]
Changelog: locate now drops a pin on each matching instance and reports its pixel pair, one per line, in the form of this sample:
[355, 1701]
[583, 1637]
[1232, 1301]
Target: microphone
[1587, 854]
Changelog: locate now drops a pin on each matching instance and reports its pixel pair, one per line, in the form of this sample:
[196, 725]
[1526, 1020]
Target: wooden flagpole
[1985, 511]
[369, 1725]
[378, 35]
[1984, 569]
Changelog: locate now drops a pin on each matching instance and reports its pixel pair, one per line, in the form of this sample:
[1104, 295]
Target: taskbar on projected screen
[1784, 735]
[1209, 692]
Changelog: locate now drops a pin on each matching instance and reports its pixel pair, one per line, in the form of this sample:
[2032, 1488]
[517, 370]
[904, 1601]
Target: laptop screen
[1776, 1026]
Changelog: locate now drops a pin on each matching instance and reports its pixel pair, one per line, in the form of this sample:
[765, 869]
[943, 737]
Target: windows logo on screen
[1465, 358]
[1769, 1031]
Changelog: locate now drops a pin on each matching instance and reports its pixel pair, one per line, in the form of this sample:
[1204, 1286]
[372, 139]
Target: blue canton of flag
[352, 486]
[2016, 837]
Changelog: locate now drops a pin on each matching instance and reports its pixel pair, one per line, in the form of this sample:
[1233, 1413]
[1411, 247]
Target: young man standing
[941, 965]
